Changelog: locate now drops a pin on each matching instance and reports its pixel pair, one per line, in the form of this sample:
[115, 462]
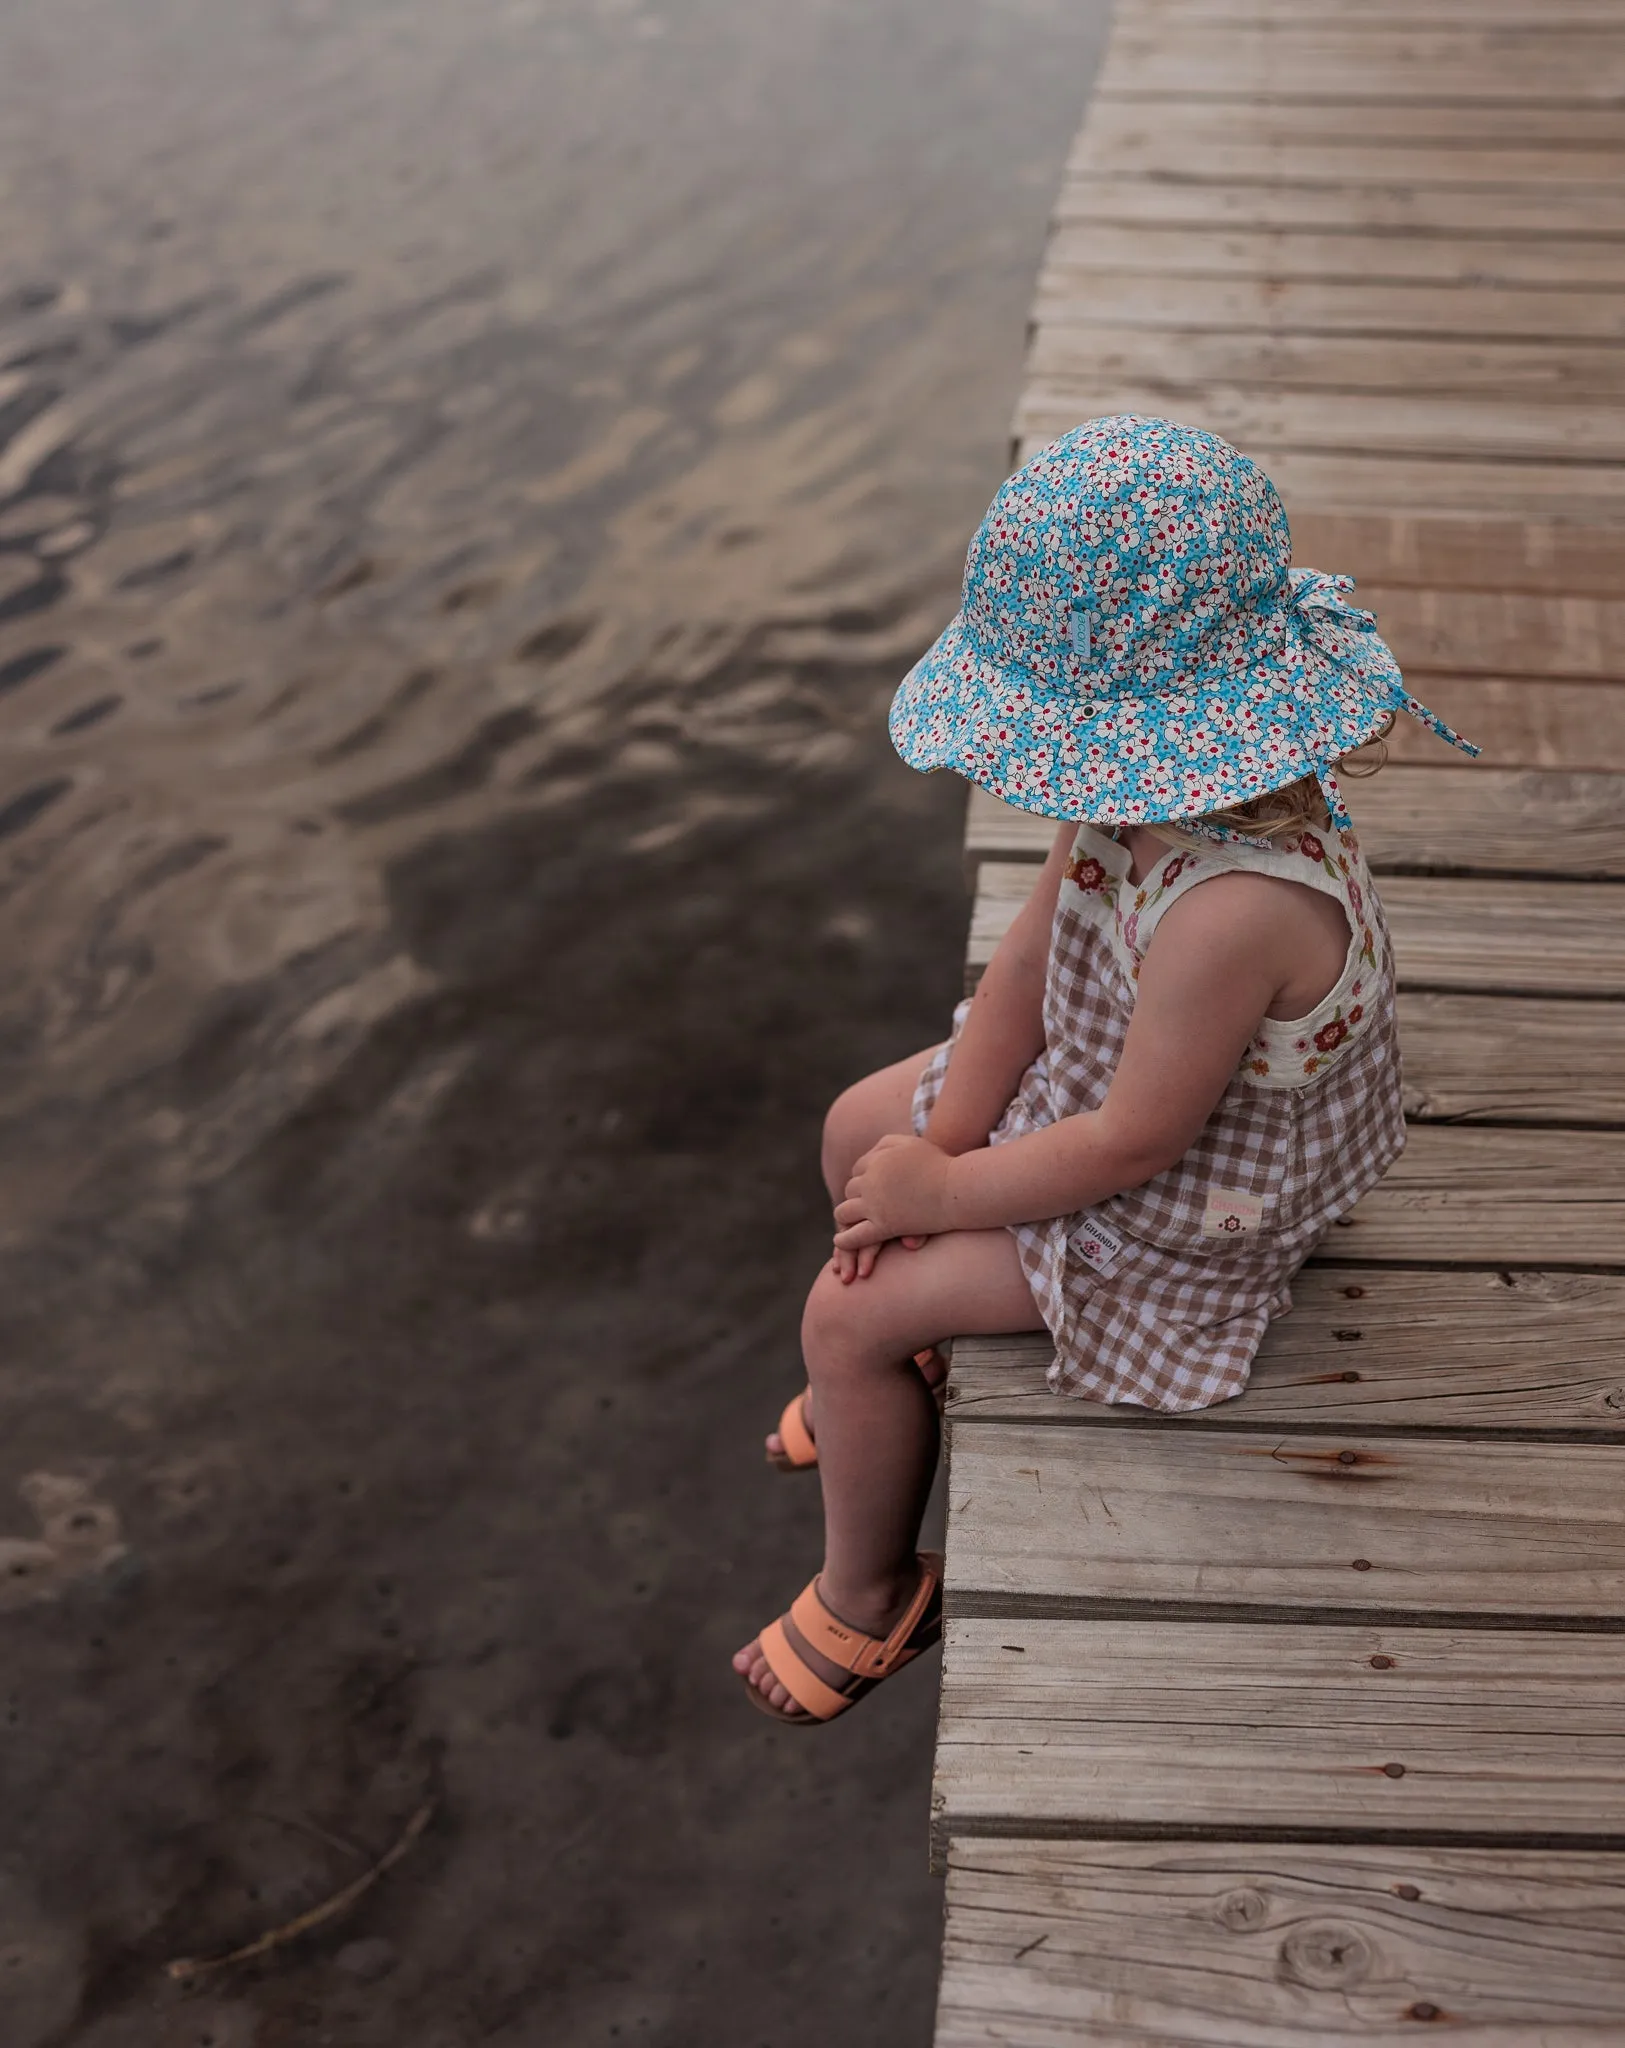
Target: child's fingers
[846, 1266]
[866, 1260]
[912, 1244]
[858, 1235]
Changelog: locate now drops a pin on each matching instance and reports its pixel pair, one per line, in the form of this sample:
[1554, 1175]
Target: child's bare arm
[1004, 1030]
[1218, 959]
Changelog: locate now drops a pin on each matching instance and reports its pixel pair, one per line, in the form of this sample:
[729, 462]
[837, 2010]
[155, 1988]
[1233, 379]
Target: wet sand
[470, 479]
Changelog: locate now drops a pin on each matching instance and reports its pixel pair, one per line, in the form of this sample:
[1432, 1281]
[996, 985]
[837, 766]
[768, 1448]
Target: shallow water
[469, 481]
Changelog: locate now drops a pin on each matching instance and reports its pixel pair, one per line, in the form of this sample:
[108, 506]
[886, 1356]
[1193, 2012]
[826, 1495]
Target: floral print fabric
[1132, 643]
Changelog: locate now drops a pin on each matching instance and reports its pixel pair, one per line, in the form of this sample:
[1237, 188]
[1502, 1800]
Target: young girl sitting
[1180, 1066]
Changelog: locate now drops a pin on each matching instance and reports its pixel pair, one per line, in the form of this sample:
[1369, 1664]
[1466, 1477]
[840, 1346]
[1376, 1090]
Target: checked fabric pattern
[1160, 1296]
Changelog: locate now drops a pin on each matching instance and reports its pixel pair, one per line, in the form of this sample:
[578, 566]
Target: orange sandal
[800, 1453]
[867, 1658]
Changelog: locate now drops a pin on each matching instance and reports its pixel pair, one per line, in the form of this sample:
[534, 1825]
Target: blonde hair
[1301, 805]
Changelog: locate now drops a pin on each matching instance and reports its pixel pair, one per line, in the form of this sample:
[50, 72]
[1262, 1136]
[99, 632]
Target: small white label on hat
[1081, 627]
[1096, 1243]
[1232, 1213]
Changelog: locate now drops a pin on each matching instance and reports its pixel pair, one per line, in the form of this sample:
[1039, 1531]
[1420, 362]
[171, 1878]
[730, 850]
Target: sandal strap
[794, 1434]
[800, 1681]
[863, 1655]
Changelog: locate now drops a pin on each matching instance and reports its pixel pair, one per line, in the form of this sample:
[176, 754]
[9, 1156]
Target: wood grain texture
[1499, 555]
[1358, 480]
[1117, 1725]
[1463, 632]
[1201, 197]
[1079, 294]
[1506, 62]
[1526, 1060]
[1494, 1197]
[1051, 1944]
[1377, 18]
[1449, 932]
[1458, 932]
[1558, 372]
[1588, 433]
[1398, 1525]
[1276, 146]
[1416, 820]
[1369, 1348]
[1543, 263]
[1172, 129]
[1519, 723]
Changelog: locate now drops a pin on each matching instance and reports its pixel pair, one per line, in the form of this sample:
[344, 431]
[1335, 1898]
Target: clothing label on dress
[1096, 1243]
[1230, 1212]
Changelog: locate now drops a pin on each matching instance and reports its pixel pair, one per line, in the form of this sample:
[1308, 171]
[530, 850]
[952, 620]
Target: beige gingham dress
[1160, 1296]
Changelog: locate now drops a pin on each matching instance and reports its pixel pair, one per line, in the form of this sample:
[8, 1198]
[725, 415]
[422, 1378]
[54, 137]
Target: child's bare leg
[877, 1422]
[879, 1103]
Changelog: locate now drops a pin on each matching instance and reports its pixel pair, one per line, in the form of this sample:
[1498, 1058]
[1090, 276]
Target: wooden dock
[1302, 1721]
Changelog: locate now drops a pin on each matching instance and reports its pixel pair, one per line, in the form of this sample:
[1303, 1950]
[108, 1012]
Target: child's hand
[897, 1190]
[850, 1266]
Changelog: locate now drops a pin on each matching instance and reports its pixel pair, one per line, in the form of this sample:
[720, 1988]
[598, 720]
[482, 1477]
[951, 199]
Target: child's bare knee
[843, 1328]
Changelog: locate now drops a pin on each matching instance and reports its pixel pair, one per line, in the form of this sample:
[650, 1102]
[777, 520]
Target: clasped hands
[898, 1189]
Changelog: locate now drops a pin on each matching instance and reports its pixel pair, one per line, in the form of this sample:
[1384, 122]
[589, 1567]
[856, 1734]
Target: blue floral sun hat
[1133, 644]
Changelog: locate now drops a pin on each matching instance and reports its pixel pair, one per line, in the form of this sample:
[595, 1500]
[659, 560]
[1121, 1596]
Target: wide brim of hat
[1293, 696]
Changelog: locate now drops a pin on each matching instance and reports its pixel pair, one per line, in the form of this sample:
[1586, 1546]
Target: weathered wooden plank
[1503, 63]
[1479, 1194]
[1245, 1945]
[1519, 723]
[1193, 301]
[1417, 820]
[1498, 1059]
[1301, 194]
[1377, 20]
[1114, 1726]
[1500, 555]
[1534, 263]
[1450, 932]
[1588, 433]
[1355, 480]
[1535, 937]
[1189, 132]
[1278, 143]
[1400, 1525]
[1493, 633]
[1373, 1348]
[1557, 372]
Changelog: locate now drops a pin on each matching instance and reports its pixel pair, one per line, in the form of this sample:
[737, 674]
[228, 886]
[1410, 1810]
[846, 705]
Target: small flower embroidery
[1311, 846]
[1087, 874]
[1258, 1066]
[1356, 1014]
[1331, 1035]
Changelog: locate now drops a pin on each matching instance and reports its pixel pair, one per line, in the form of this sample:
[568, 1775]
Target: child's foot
[873, 1612]
[933, 1370]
